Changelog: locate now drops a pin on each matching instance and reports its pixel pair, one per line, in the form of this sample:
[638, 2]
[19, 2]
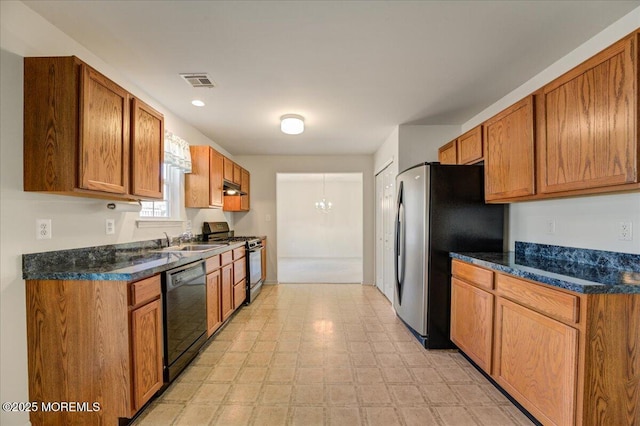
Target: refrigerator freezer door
[400, 244]
[411, 249]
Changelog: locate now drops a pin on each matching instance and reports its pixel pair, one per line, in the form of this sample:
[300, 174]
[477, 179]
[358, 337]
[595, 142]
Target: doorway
[385, 212]
[319, 227]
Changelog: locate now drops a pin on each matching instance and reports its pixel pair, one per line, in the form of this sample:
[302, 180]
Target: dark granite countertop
[122, 262]
[579, 270]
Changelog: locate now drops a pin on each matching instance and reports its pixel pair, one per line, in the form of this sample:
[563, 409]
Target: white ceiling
[353, 69]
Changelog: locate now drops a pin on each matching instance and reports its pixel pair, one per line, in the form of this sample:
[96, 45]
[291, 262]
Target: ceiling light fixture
[292, 124]
[197, 102]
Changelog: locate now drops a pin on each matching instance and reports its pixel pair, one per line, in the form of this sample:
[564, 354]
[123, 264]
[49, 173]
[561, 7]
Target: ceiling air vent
[198, 80]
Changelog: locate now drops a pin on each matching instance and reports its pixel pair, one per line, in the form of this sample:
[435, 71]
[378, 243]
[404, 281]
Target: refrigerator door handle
[400, 243]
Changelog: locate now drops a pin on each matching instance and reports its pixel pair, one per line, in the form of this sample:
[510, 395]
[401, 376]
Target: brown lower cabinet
[227, 291]
[93, 342]
[239, 277]
[472, 321]
[568, 358]
[214, 312]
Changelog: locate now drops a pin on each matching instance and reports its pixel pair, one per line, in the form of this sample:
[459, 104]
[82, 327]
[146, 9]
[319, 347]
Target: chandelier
[323, 205]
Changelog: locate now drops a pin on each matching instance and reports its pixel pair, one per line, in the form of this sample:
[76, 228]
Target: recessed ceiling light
[197, 103]
[292, 124]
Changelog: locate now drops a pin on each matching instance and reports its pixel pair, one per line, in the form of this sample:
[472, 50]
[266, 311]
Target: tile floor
[326, 354]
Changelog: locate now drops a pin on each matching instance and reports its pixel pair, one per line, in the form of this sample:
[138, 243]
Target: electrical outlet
[43, 229]
[188, 226]
[110, 226]
[625, 232]
[551, 226]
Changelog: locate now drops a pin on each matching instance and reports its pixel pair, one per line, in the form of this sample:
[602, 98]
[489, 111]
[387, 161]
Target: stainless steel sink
[193, 248]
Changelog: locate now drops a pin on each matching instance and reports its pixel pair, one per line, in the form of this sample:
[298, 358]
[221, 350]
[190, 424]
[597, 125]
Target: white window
[169, 209]
[177, 161]
[160, 209]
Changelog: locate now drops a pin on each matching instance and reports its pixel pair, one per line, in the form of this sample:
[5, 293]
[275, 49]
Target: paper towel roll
[125, 207]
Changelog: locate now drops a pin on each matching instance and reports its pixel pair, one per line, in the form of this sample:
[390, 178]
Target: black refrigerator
[440, 208]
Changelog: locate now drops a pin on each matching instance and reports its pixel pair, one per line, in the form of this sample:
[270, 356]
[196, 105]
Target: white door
[380, 231]
[389, 230]
[385, 213]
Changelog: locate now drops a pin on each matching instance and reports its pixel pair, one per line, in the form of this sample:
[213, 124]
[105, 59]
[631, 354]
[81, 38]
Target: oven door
[255, 266]
[254, 272]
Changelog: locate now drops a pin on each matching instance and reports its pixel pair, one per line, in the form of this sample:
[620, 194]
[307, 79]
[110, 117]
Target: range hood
[232, 189]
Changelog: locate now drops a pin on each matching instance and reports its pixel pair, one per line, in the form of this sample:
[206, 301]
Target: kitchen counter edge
[150, 263]
[504, 262]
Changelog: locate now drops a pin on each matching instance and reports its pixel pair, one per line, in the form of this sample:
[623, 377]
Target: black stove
[220, 233]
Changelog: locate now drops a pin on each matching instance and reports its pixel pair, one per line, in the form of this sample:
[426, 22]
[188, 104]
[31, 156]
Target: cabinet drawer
[472, 274]
[213, 263]
[145, 290]
[238, 253]
[239, 270]
[557, 304]
[226, 257]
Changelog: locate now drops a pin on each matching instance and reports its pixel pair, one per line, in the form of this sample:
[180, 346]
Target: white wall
[585, 222]
[261, 219]
[418, 143]
[388, 152]
[304, 231]
[76, 222]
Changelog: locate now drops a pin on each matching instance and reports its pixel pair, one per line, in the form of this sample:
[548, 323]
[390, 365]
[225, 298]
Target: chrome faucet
[186, 237]
[168, 239]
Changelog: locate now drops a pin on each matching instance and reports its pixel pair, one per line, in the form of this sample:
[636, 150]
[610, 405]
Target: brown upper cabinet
[240, 203]
[587, 130]
[147, 150]
[470, 147]
[448, 153]
[84, 136]
[466, 149]
[245, 187]
[237, 174]
[203, 186]
[509, 156]
[576, 135]
[231, 171]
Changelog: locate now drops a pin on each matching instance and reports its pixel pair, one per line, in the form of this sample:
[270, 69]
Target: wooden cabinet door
[589, 138]
[472, 322]
[239, 294]
[146, 339]
[237, 174]
[216, 170]
[448, 154]
[104, 134]
[228, 169]
[214, 312]
[509, 156]
[227, 291]
[470, 148]
[245, 187]
[197, 183]
[147, 150]
[536, 361]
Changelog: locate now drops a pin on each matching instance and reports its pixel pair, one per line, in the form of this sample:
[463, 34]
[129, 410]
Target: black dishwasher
[185, 316]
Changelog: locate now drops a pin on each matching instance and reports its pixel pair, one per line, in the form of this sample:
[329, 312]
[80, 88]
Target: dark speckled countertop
[579, 270]
[122, 262]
